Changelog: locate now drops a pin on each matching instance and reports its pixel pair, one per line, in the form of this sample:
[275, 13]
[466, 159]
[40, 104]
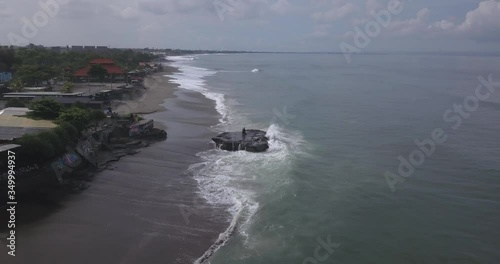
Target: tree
[7, 59]
[17, 85]
[33, 148]
[76, 116]
[97, 115]
[53, 139]
[81, 117]
[46, 109]
[34, 74]
[63, 135]
[14, 102]
[68, 87]
[70, 129]
[98, 71]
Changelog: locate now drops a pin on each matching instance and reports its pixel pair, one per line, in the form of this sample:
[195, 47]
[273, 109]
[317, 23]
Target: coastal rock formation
[251, 141]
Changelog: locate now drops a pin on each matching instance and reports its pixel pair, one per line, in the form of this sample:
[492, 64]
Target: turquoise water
[335, 130]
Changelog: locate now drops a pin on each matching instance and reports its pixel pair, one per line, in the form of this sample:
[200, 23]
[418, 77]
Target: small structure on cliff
[250, 140]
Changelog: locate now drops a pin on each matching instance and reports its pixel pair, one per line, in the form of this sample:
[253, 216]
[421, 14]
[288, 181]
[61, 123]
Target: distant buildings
[56, 49]
[101, 48]
[77, 48]
[98, 49]
[64, 49]
[89, 48]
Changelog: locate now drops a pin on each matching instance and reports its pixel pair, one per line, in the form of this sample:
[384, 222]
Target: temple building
[114, 70]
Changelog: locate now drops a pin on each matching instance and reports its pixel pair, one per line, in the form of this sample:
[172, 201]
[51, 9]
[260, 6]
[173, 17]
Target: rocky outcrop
[251, 141]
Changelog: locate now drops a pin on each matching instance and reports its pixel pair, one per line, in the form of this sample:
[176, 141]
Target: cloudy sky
[259, 25]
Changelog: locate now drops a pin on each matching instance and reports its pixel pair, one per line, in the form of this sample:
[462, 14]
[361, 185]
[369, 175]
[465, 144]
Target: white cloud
[340, 10]
[127, 13]
[411, 26]
[155, 7]
[321, 31]
[482, 23]
[248, 9]
[281, 6]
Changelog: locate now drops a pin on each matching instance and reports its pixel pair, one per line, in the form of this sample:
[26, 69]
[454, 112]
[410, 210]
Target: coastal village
[57, 112]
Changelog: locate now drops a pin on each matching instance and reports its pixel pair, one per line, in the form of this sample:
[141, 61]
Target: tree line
[50, 144]
[33, 67]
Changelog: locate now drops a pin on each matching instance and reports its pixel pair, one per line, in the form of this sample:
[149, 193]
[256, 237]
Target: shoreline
[143, 208]
[157, 88]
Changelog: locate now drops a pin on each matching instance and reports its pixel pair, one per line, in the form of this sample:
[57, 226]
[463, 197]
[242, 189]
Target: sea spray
[235, 180]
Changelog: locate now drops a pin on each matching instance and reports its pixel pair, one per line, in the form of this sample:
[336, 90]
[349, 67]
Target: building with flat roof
[102, 48]
[13, 124]
[77, 48]
[32, 95]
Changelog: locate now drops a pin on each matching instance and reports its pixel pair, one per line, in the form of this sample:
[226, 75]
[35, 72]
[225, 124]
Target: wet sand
[157, 90]
[144, 209]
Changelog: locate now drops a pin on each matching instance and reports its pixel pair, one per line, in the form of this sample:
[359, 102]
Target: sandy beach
[144, 208]
[157, 89]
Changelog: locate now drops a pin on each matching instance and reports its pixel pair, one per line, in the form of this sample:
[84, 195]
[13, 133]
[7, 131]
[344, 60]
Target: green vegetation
[46, 145]
[97, 71]
[14, 102]
[45, 109]
[17, 85]
[80, 117]
[52, 143]
[35, 74]
[68, 87]
[37, 66]
[7, 59]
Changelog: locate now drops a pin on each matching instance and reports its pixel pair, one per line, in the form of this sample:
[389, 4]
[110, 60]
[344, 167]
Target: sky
[257, 25]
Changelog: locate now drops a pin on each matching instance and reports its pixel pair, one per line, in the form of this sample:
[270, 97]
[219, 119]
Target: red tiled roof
[102, 61]
[82, 72]
[108, 64]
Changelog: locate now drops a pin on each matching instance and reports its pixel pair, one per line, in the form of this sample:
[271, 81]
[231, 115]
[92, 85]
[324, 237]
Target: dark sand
[145, 209]
[157, 89]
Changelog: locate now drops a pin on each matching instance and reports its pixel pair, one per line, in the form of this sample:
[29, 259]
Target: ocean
[388, 159]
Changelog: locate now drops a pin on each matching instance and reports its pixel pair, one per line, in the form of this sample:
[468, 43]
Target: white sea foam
[236, 179]
[193, 78]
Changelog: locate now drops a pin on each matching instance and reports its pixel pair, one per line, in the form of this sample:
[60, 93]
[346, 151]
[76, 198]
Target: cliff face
[95, 149]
